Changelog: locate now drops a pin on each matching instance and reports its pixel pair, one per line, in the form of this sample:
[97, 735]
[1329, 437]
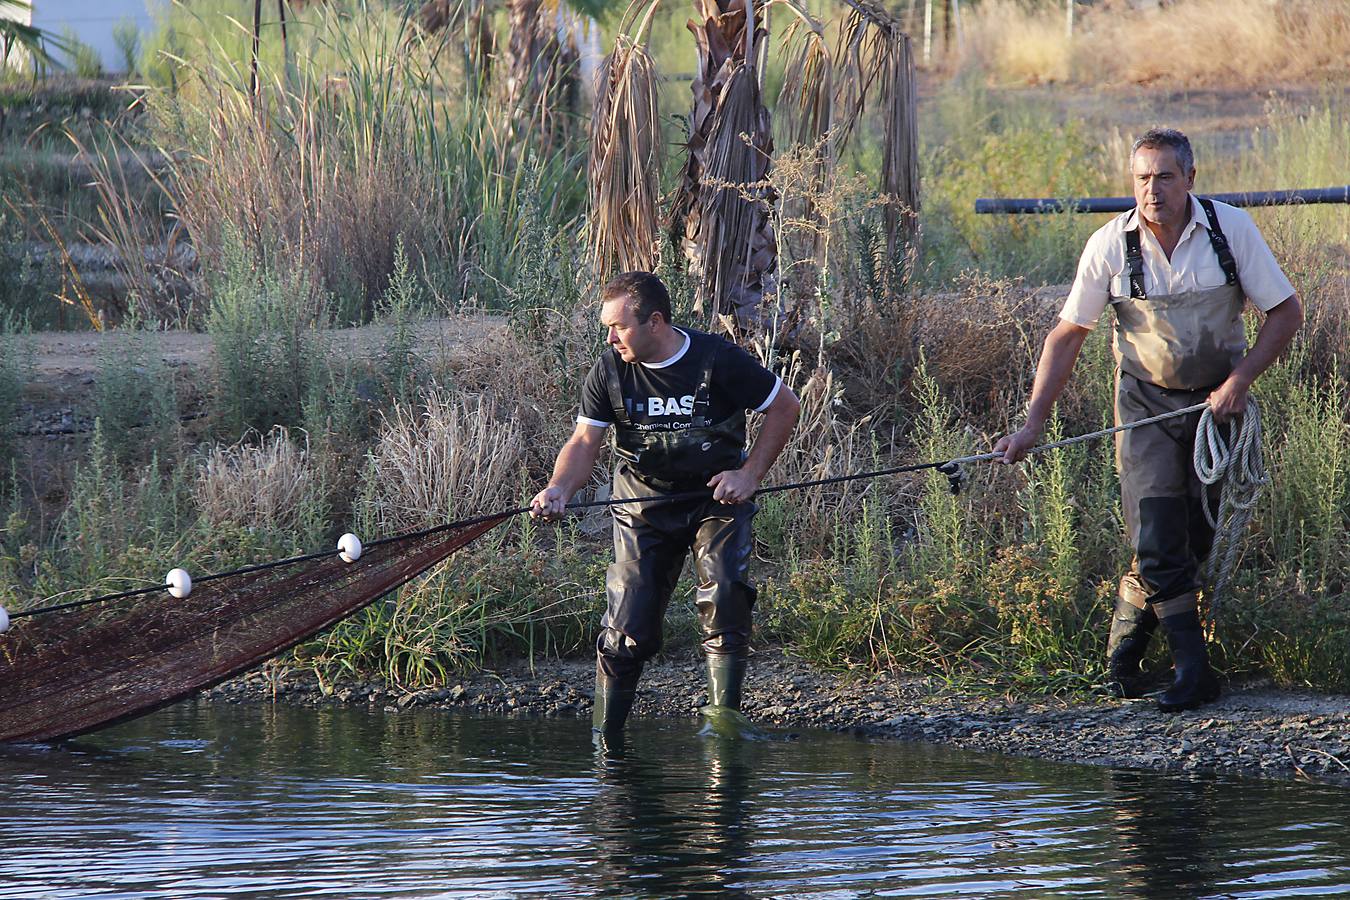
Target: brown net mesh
[71, 671]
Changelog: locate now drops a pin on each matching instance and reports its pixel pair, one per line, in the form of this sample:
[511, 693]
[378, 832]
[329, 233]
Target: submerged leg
[614, 697]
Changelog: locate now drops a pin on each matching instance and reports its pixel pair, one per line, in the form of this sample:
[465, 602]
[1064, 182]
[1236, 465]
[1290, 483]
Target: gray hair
[1157, 138]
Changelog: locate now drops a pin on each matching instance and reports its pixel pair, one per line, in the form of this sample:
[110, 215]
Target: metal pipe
[1123, 204]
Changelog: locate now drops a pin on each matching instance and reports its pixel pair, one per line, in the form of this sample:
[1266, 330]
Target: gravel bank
[1252, 730]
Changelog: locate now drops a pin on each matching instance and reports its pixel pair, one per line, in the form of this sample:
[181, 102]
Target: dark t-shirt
[660, 396]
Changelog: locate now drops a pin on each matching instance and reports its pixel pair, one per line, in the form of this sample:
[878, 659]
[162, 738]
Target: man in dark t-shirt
[676, 399]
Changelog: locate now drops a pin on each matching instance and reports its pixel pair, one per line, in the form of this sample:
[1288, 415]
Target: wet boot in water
[613, 699]
[1131, 628]
[726, 674]
[722, 715]
[1195, 682]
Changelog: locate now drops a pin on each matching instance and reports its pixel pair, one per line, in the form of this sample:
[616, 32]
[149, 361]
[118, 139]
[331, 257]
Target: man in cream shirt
[1176, 271]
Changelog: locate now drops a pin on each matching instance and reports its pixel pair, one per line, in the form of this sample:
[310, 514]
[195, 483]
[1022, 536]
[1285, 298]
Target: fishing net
[69, 671]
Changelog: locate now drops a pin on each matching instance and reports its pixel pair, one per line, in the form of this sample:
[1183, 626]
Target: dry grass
[823, 445]
[1233, 43]
[261, 485]
[463, 454]
[1230, 42]
[1020, 43]
[541, 373]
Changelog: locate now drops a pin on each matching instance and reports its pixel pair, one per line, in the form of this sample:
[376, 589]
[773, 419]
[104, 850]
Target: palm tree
[541, 52]
[722, 217]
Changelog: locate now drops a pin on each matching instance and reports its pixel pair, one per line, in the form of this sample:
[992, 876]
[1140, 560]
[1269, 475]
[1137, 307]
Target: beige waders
[1172, 350]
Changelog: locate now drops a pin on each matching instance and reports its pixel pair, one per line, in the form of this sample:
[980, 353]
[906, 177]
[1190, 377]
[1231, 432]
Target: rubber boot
[1195, 682]
[726, 674]
[1131, 628]
[613, 699]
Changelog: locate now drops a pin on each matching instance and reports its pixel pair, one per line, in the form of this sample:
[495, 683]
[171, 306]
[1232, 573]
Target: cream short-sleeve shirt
[1103, 273]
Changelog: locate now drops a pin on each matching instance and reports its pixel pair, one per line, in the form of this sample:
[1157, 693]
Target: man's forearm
[1058, 356]
[573, 466]
[773, 437]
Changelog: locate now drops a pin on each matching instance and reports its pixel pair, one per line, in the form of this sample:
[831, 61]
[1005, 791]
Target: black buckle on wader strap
[615, 389]
[1219, 242]
[1134, 259]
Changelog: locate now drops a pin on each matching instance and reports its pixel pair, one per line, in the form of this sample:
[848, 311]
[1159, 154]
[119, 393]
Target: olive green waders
[651, 541]
[1172, 351]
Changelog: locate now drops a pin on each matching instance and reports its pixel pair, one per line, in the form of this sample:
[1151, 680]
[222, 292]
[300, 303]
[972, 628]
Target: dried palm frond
[877, 61]
[806, 97]
[806, 101]
[625, 163]
[541, 71]
[900, 149]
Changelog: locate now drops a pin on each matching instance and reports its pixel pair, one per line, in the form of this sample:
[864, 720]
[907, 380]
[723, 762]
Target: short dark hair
[1156, 138]
[644, 290]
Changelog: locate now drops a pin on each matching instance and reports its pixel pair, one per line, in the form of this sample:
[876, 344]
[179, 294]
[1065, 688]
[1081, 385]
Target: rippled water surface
[221, 801]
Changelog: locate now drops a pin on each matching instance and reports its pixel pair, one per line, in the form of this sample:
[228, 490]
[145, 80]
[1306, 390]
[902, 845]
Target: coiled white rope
[1235, 458]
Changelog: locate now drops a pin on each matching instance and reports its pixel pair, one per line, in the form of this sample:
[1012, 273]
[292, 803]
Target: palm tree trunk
[721, 219]
[541, 82]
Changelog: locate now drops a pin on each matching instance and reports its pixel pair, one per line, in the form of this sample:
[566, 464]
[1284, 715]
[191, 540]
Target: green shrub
[14, 356]
[83, 59]
[127, 36]
[135, 398]
[268, 355]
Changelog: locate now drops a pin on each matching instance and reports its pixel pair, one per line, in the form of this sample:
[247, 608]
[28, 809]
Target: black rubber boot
[1195, 682]
[726, 674]
[1131, 628]
[613, 699]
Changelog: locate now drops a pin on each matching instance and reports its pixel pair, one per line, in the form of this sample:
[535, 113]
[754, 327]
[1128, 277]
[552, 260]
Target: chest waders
[651, 541]
[1172, 351]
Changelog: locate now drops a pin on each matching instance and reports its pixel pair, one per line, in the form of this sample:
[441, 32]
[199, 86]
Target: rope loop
[1230, 453]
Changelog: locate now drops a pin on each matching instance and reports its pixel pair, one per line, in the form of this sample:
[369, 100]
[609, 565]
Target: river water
[219, 801]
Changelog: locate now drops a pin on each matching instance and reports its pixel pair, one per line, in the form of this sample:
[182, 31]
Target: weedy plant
[14, 358]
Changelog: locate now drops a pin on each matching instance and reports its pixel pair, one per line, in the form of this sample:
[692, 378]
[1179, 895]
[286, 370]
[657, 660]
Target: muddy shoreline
[1253, 730]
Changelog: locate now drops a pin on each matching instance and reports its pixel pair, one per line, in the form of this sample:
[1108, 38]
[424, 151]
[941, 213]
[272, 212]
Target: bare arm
[571, 470]
[739, 485]
[1058, 356]
[1282, 323]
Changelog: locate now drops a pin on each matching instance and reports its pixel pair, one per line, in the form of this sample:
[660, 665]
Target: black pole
[1123, 204]
[253, 62]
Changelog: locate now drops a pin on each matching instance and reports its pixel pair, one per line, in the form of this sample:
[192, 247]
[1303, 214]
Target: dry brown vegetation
[1232, 43]
[453, 456]
[256, 483]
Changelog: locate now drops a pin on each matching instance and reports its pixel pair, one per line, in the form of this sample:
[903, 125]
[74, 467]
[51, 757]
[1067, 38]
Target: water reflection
[659, 832]
[1164, 823]
[203, 801]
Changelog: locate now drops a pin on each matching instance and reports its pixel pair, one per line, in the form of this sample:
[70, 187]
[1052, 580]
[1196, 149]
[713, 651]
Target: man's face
[635, 341]
[1160, 186]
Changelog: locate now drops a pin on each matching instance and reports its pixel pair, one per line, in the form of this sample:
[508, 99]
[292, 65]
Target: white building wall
[18, 57]
[92, 22]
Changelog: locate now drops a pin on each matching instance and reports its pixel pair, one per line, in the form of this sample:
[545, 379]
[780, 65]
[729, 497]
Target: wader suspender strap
[1134, 259]
[615, 389]
[1134, 256]
[701, 394]
[1219, 242]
